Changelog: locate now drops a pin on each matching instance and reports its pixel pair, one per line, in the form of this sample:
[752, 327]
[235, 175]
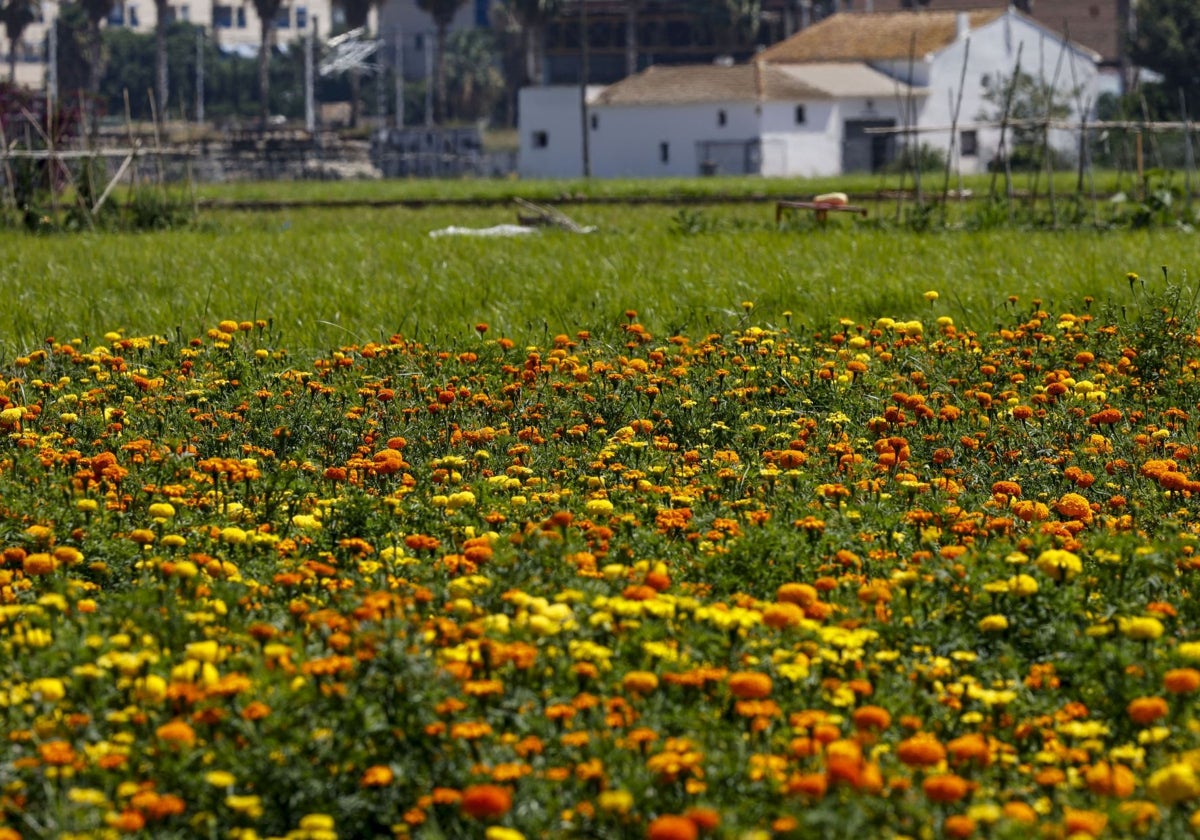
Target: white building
[806, 105]
[234, 23]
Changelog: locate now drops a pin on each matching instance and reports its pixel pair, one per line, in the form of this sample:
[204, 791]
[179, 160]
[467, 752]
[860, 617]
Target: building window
[722, 117]
[133, 15]
[241, 17]
[595, 121]
[540, 139]
[664, 152]
[968, 141]
[117, 16]
[801, 117]
[302, 17]
[184, 13]
[419, 42]
[222, 17]
[284, 18]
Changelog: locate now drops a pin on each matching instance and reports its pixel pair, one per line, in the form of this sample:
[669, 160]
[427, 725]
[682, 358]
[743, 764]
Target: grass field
[314, 526]
[328, 275]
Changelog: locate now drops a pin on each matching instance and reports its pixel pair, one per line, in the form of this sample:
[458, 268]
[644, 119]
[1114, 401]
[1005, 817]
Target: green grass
[504, 189]
[330, 276]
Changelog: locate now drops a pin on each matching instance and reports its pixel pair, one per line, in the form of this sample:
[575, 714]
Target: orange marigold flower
[783, 614]
[486, 802]
[1020, 812]
[177, 733]
[672, 827]
[1087, 823]
[801, 594]
[40, 563]
[640, 682]
[705, 819]
[921, 750]
[1074, 506]
[750, 685]
[379, 775]
[1181, 680]
[1146, 710]
[971, 748]
[958, 826]
[1104, 779]
[812, 785]
[872, 717]
[946, 787]
[57, 753]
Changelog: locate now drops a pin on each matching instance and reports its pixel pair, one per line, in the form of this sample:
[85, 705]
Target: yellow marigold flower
[1059, 564]
[233, 535]
[250, 806]
[640, 682]
[499, 832]
[162, 510]
[1174, 783]
[615, 801]
[316, 822]
[993, 623]
[220, 778]
[49, 689]
[206, 651]
[1142, 629]
[1022, 585]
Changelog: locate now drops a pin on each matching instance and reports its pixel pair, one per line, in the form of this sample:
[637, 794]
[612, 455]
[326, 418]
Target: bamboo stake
[962, 79]
[1189, 160]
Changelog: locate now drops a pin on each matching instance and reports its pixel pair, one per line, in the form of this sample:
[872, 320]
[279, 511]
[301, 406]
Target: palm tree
[17, 15]
[267, 11]
[532, 16]
[96, 11]
[472, 73]
[442, 12]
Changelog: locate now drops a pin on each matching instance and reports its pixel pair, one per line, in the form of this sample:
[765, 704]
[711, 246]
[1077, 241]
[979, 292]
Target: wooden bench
[819, 209]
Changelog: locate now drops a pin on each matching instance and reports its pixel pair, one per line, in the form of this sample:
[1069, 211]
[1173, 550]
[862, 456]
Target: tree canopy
[1167, 41]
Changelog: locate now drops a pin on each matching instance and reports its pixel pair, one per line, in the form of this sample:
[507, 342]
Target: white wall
[815, 148]
[993, 53]
[553, 111]
[627, 140]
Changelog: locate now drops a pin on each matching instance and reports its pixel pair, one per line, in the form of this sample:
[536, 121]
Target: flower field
[894, 579]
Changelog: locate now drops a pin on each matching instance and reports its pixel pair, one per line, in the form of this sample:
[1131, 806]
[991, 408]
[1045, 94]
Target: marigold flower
[177, 733]
[1145, 710]
[921, 750]
[801, 594]
[486, 802]
[40, 563]
[1086, 823]
[750, 685]
[1059, 564]
[958, 826]
[378, 775]
[672, 827]
[946, 787]
[872, 717]
[1181, 680]
[993, 623]
[640, 682]
[783, 614]
[1104, 779]
[1174, 783]
[1142, 629]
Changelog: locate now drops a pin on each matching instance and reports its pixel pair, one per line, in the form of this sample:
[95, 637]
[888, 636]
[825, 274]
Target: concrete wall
[662, 141]
[551, 114]
[990, 61]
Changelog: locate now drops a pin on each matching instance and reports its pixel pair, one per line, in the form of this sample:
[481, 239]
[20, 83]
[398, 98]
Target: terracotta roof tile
[683, 84]
[880, 36]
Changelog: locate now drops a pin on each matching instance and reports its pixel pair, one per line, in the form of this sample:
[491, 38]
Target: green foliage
[1166, 41]
[1028, 99]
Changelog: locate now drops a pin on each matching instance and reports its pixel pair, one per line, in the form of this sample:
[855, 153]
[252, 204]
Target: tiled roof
[1092, 23]
[700, 83]
[879, 36]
